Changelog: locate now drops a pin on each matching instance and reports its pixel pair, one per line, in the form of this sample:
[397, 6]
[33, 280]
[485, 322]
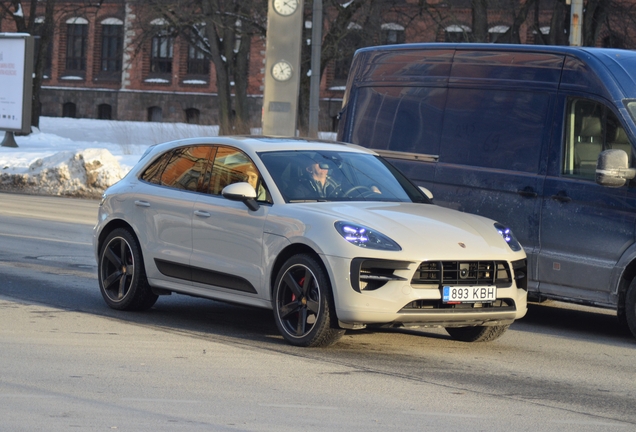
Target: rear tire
[303, 304]
[121, 273]
[477, 333]
[629, 314]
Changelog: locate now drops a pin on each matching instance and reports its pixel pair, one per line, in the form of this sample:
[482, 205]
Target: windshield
[303, 176]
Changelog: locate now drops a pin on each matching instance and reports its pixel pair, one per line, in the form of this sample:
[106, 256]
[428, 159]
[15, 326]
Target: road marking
[441, 414]
[162, 400]
[45, 239]
[26, 396]
[318, 407]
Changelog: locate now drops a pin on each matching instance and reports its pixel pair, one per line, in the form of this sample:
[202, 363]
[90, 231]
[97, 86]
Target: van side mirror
[612, 168]
[243, 192]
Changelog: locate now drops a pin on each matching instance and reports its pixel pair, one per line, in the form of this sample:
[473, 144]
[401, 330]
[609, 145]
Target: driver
[318, 182]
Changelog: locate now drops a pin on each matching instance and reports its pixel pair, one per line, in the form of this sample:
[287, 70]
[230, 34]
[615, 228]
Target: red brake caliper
[300, 282]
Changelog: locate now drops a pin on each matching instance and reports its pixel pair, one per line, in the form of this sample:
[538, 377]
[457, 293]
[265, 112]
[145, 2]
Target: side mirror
[426, 192]
[612, 168]
[243, 192]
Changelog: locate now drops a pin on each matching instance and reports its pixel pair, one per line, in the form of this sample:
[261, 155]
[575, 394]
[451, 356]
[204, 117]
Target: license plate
[453, 294]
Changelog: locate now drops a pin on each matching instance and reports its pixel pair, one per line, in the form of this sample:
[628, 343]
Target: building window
[69, 109]
[192, 115]
[496, 34]
[346, 47]
[457, 33]
[161, 51]
[198, 63]
[76, 37]
[48, 57]
[392, 34]
[104, 112]
[112, 44]
[155, 114]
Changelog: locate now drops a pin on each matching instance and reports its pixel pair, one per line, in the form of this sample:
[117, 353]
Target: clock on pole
[282, 63]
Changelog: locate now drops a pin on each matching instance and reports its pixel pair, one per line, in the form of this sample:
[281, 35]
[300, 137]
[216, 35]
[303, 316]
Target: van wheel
[629, 314]
[303, 304]
[477, 333]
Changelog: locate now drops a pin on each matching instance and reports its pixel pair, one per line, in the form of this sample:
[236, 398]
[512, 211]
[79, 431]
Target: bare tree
[223, 31]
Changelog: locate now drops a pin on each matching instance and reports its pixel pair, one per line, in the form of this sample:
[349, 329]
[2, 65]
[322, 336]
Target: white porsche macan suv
[329, 236]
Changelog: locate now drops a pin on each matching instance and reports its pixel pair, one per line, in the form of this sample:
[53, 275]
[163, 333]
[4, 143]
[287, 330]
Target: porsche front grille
[467, 273]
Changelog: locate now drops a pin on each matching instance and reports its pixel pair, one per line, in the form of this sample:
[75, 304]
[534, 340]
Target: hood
[426, 230]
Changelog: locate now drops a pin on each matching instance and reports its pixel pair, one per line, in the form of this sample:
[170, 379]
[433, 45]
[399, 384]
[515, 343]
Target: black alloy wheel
[122, 277]
[303, 306]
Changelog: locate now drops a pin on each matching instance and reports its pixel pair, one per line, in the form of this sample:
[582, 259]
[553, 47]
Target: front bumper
[395, 300]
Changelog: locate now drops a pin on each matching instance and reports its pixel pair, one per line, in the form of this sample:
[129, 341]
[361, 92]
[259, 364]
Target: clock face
[285, 7]
[282, 71]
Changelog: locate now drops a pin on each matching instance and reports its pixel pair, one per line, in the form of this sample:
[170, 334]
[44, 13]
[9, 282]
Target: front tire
[477, 333]
[121, 273]
[303, 304]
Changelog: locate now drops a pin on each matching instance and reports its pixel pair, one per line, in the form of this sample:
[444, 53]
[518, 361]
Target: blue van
[540, 138]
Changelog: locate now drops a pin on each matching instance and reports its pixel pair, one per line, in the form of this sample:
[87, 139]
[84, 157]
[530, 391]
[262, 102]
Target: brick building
[95, 69]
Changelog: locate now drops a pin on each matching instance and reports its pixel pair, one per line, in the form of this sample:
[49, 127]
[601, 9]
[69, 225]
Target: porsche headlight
[508, 236]
[365, 237]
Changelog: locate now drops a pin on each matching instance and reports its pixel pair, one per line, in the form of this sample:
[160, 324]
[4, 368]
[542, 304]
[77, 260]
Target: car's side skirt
[204, 276]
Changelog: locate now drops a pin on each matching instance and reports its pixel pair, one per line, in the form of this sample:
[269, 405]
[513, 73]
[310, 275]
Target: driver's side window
[591, 127]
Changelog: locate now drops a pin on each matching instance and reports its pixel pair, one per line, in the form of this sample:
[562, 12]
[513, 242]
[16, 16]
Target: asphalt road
[67, 361]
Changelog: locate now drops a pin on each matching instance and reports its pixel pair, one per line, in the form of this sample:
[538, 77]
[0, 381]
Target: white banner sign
[12, 82]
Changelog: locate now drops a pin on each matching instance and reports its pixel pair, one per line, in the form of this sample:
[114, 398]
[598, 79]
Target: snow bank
[86, 173]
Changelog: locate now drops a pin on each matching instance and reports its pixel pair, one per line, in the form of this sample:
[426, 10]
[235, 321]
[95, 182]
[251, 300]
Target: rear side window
[591, 127]
[494, 128]
[181, 168]
[405, 119]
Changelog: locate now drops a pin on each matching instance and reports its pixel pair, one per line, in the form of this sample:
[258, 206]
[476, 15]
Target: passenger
[253, 180]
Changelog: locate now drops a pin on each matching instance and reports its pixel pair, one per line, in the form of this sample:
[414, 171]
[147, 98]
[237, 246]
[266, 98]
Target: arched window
[495, 34]
[192, 115]
[198, 63]
[392, 34]
[48, 59]
[346, 47]
[457, 33]
[104, 112]
[69, 109]
[161, 49]
[155, 114]
[112, 45]
[76, 38]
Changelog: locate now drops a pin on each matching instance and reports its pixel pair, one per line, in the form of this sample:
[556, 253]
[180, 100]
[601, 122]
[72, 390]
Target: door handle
[561, 196]
[142, 203]
[202, 213]
[527, 192]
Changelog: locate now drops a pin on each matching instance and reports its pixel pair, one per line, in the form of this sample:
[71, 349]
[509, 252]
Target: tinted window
[233, 166]
[494, 129]
[406, 119]
[154, 171]
[185, 168]
[590, 128]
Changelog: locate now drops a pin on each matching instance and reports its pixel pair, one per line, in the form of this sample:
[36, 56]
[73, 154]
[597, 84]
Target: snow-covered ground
[82, 157]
